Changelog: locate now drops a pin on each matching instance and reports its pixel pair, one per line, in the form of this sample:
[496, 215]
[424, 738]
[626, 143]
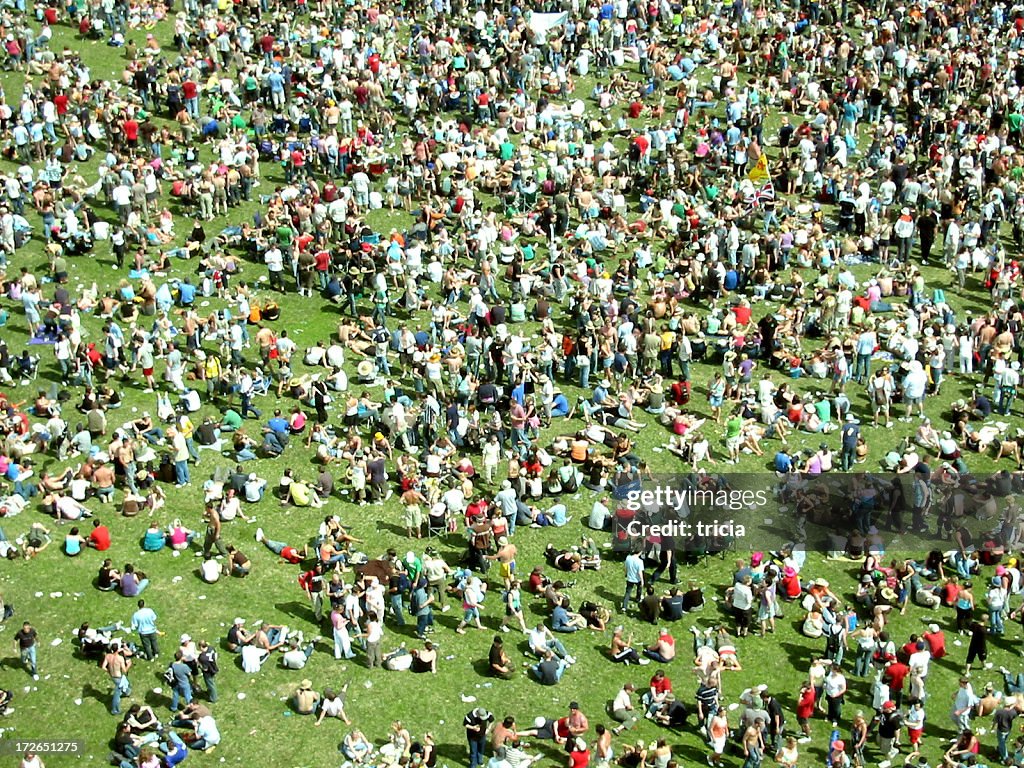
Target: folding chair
[437, 521]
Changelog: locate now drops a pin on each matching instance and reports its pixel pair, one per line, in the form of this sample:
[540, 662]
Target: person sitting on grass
[333, 705]
[305, 699]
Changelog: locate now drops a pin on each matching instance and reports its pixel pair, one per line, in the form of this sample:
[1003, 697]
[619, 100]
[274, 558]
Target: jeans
[210, 681]
[28, 658]
[535, 669]
[753, 759]
[631, 587]
[863, 663]
[121, 688]
[862, 366]
[656, 656]
[150, 649]
[997, 621]
[1014, 683]
[423, 621]
[276, 634]
[181, 693]
[556, 646]
[584, 376]
[396, 608]
[1001, 738]
[476, 752]
[181, 475]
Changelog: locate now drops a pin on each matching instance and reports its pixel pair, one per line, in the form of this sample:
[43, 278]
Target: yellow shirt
[667, 340]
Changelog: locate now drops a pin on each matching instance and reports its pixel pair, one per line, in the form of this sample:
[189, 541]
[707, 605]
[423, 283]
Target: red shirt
[936, 644]
[100, 538]
[805, 707]
[895, 674]
[291, 555]
[189, 89]
[742, 314]
[580, 759]
[267, 43]
[60, 101]
[664, 685]
[790, 586]
[131, 130]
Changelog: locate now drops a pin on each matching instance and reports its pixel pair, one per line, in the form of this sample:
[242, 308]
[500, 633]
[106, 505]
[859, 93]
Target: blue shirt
[634, 569]
[144, 621]
[560, 621]
[186, 293]
[278, 424]
[782, 462]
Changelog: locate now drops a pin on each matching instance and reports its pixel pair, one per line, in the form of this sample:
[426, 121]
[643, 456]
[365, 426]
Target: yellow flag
[759, 173]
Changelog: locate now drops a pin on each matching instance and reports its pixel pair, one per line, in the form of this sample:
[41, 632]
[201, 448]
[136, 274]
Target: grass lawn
[72, 697]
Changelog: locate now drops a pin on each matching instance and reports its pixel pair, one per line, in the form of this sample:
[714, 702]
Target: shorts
[908, 400]
[147, 372]
[715, 401]
[718, 745]
[470, 614]
[733, 443]
[507, 569]
[914, 734]
[413, 516]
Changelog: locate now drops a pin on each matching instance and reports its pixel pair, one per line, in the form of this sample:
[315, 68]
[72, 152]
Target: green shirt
[232, 419]
[285, 235]
[733, 427]
[824, 410]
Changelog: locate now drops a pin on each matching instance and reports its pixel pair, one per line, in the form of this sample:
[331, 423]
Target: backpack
[404, 583]
[169, 675]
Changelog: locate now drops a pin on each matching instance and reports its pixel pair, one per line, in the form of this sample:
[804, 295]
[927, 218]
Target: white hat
[186, 639]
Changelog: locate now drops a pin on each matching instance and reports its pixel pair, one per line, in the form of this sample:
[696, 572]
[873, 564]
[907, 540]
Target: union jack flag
[760, 194]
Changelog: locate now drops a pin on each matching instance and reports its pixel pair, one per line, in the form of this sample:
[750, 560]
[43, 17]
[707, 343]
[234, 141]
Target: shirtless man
[103, 482]
[116, 665]
[506, 558]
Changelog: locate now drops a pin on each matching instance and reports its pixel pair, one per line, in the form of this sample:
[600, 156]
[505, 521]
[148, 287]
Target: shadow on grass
[296, 610]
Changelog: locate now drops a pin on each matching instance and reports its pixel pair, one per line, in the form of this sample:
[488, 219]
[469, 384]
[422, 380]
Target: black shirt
[496, 658]
[547, 672]
[672, 607]
[26, 638]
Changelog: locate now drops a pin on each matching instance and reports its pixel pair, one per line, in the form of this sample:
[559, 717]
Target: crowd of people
[547, 234]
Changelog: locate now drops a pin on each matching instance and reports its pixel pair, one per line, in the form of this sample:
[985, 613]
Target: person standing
[835, 693]
[1003, 721]
[374, 635]
[25, 641]
[850, 434]
[116, 665]
[634, 568]
[476, 724]
[313, 583]
[209, 669]
[181, 456]
[753, 744]
[212, 539]
[181, 688]
[144, 622]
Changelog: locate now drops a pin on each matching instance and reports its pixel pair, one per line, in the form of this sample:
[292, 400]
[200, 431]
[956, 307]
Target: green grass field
[72, 697]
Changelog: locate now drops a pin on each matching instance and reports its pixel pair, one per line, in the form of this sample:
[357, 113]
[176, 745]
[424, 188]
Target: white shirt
[210, 570]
